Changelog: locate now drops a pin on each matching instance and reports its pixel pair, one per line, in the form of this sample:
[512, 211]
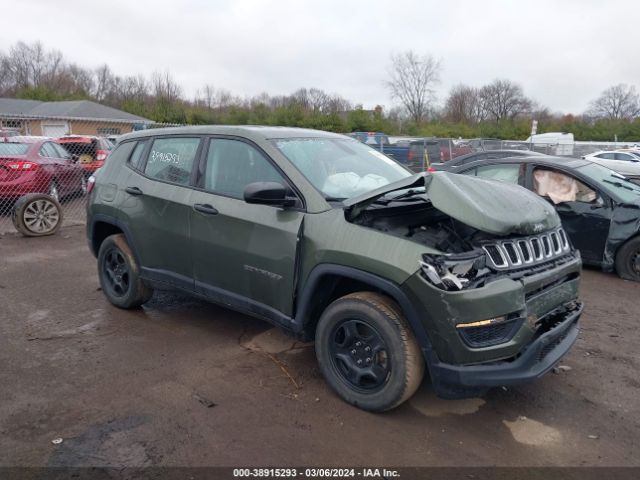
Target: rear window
[86, 151]
[14, 148]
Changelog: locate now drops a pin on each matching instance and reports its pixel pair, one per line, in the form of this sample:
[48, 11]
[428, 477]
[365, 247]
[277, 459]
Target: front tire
[367, 352]
[119, 274]
[628, 260]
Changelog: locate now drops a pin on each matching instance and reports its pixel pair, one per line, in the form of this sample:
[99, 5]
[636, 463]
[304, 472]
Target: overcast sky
[563, 53]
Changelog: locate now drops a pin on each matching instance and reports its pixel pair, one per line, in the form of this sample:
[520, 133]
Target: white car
[625, 156]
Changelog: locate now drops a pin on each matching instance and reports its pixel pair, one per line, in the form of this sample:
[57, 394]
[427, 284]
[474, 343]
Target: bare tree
[617, 102]
[464, 104]
[165, 87]
[504, 100]
[103, 83]
[412, 79]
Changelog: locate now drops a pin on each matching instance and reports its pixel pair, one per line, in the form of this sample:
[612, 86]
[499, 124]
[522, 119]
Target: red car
[451, 149]
[38, 165]
[90, 151]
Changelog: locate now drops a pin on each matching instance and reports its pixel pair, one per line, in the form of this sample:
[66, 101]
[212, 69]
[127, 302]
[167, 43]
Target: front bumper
[540, 356]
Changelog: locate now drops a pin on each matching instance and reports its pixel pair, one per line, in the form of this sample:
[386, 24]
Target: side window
[171, 159]
[623, 156]
[47, 150]
[61, 152]
[606, 156]
[561, 187]
[505, 173]
[232, 165]
[136, 161]
[121, 152]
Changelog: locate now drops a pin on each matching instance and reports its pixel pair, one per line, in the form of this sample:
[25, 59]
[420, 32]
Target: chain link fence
[44, 172]
[45, 165]
[418, 153]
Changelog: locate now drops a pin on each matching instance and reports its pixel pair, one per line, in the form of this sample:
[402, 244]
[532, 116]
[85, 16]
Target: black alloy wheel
[117, 272]
[360, 355]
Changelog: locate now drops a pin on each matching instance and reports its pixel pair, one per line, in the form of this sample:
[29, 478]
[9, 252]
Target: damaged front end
[513, 257]
[496, 279]
[456, 271]
[476, 230]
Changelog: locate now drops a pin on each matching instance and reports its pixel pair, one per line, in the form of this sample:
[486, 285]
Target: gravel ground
[185, 383]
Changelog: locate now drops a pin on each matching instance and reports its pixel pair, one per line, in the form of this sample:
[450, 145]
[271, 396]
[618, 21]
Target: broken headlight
[455, 271]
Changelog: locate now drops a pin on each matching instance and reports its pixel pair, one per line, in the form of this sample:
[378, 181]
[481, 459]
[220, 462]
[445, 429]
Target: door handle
[133, 191]
[205, 208]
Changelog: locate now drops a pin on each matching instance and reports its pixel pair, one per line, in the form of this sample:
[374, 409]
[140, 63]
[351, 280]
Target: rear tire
[367, 352]
[37, 215]
[628, 260]
[119, 274]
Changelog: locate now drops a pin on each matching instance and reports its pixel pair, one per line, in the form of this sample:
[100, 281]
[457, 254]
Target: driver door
[243, 253]
[585, 212]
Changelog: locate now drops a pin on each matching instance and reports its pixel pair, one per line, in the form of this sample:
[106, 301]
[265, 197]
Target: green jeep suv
[388, 271]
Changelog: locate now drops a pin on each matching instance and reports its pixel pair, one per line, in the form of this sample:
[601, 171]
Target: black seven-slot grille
[527, 251]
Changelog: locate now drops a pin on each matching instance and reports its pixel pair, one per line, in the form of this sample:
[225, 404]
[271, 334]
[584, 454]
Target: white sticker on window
[166, 157]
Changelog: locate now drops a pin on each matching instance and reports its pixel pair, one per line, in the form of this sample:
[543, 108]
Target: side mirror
[267, 193]
[597, 203]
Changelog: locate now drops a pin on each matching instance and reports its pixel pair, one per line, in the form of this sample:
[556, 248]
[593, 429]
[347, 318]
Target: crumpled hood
[491, 206]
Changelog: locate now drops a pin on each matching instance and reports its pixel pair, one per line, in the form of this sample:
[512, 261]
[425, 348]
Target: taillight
[91, 182]
[410, 155]
[431, 169]
[22, 165]
[101, 155]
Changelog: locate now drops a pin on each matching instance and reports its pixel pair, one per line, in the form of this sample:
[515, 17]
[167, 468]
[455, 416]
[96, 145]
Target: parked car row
[416, 154]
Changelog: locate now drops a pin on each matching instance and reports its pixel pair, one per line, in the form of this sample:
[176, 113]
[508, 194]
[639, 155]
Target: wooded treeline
[499, 109]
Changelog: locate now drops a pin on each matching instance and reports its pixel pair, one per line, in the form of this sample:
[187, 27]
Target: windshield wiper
[407, 194]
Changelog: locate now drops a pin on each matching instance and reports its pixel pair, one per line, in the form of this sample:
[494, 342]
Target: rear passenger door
[156, 206]
[244, 254]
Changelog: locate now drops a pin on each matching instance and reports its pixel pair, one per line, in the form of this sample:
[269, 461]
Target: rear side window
[61, 152]
[171, 159]
[623, 156]
[122, 152]
[47, 150]
[136, 161]
[509, 173]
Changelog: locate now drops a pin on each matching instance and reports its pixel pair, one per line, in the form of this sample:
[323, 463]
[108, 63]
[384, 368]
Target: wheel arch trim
[108, 219]
[306, 303]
